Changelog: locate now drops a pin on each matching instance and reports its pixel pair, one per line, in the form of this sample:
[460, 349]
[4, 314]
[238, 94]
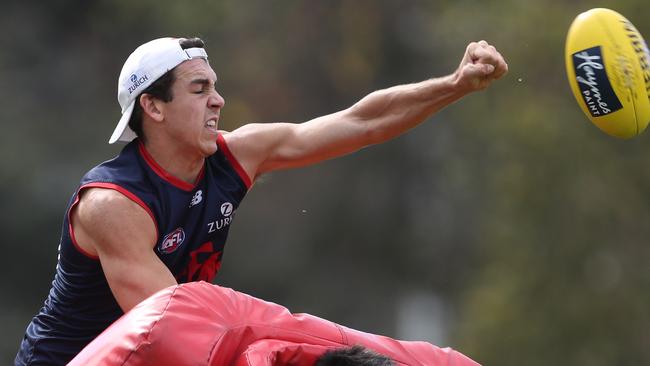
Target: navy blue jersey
[192, 223]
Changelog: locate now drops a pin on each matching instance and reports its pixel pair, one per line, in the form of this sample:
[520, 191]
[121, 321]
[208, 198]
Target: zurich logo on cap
[137, 82]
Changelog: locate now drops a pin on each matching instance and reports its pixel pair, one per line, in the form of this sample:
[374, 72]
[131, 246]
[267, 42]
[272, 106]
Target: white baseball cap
[145, 65]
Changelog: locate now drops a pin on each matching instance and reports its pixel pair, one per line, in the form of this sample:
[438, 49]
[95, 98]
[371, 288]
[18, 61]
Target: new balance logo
[198, 197]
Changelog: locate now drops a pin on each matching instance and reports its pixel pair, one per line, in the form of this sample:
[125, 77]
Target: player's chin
[208, 144]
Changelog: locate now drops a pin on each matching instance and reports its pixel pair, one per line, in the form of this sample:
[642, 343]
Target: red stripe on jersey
[72, 238]
[221, 142]
[115, 187]
[162, 173]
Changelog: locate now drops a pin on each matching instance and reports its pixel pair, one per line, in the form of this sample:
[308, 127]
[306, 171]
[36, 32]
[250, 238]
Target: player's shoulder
[101, 202]
[103, 197]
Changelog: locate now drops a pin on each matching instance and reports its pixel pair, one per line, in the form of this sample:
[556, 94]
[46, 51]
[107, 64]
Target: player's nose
[216, 101]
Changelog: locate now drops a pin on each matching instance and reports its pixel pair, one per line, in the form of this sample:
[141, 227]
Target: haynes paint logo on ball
[594, 85]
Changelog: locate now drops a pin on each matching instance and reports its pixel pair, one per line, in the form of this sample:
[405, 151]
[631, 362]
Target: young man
[203, 324]
[158, 214]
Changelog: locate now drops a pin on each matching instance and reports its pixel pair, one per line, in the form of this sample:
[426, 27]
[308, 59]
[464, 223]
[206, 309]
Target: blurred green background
[506, 226]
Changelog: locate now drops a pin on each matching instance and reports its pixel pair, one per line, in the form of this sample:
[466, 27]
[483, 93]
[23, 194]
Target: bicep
[123, 236]
[261, 148]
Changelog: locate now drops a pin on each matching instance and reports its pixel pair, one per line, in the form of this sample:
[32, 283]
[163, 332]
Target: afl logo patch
[172, 241]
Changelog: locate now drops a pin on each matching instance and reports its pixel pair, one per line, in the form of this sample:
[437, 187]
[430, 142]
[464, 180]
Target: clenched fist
[481, 64]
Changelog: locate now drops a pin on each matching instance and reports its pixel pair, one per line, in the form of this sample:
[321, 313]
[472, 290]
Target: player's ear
[151, 106]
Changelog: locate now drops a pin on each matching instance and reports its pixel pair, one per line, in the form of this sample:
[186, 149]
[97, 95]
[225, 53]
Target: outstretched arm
[380, 116]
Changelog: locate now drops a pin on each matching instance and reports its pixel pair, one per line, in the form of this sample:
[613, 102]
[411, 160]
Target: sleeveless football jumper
[192, 223]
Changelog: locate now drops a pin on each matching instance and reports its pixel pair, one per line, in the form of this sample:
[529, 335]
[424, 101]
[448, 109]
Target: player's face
[193, 113]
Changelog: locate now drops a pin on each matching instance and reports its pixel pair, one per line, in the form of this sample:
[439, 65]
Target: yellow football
[608, 66]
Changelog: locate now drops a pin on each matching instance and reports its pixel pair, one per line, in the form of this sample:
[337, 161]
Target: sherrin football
[608, 66]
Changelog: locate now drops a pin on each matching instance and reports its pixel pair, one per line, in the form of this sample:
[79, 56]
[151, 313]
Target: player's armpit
[110, 225]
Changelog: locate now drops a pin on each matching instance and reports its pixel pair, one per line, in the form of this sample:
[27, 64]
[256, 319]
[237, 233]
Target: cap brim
[122, 131]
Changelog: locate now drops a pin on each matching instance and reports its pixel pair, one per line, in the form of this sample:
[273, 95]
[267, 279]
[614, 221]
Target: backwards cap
[145, 65]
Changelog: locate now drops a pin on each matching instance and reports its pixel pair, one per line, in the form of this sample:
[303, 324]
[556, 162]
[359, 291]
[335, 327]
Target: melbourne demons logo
[172, 241]
[203, 265]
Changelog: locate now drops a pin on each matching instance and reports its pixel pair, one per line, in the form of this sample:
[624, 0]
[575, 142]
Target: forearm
[390, 112]
[131, 283]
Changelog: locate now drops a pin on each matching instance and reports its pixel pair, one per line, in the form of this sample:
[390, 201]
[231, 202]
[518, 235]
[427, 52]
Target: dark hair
[161, 88]
[353, 356]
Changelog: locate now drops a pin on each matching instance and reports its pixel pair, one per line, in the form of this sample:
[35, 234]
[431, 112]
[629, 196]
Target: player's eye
[201, 90]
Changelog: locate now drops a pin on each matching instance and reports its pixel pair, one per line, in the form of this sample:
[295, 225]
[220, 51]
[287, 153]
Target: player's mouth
[211, 125]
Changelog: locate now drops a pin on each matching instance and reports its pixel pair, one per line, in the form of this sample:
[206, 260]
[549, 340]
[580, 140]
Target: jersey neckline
[165, 175]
